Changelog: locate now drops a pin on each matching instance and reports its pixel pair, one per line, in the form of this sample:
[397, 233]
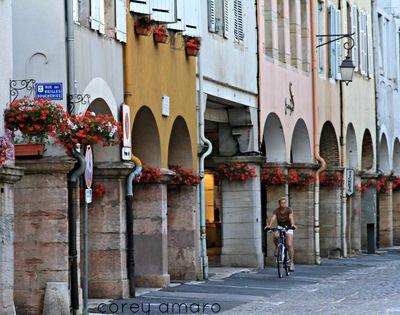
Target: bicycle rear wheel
[279, 260]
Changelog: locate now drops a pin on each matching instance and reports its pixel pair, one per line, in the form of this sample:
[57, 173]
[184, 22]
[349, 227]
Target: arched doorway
[367, 154]
[274, 139]
[330, 215]
[182, 259]
[300, 151]
[396, 194]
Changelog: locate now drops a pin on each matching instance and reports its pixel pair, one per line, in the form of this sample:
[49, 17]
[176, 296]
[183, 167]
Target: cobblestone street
[366, 284]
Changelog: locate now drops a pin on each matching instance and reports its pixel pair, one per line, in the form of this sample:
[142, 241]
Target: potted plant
[160, 34]
[192, 45]
[149, 175]
[237, 171]
[273, 177]
[184, 176]
[143, 25]
[300, 179]
[331, 178]
[32, 122]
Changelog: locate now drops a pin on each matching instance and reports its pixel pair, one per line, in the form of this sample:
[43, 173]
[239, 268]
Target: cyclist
[284, 216]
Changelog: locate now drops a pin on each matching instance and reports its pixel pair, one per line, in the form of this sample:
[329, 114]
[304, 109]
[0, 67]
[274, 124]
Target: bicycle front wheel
[280, 259]
[286, 262]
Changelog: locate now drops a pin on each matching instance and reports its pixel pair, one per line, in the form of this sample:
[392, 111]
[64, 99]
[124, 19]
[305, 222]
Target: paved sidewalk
[366, 284]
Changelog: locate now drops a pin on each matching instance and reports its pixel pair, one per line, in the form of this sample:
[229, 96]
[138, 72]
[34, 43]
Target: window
[140, 6]
[294, 36]
[269, 42]
[363, 42]
[332, 46]
[191, 8]
[163, 11]
[97, 15]
[218, 17]
[354, 29]
[380, 43]
[338, 26]
[120, 20]
[305, 36]
[320, 40]
[238, 14]
[281, 31]
[370, 68]
[179, 25]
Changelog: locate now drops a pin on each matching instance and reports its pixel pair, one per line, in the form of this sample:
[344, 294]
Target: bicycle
[282, 258]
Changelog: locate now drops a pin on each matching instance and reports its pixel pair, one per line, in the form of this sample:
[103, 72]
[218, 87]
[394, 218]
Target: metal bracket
[290, 106]
[16, 86]
[347, 45]
[75, 99]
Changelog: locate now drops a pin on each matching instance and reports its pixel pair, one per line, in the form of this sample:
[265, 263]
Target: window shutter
[369, 47]
[226, 18]
[163, 10]
[120, 20]
[179, 25]
[362, 43]
[101, 17]
[238, 11]
[95, 14]
[338, 45]
[211, 16]
[332, 46]
[140, 6]
[192, 18]
[354, 29]
[320, 30]
[75, 10]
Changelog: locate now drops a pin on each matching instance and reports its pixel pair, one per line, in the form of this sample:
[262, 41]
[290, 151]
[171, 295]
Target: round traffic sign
[89, 166]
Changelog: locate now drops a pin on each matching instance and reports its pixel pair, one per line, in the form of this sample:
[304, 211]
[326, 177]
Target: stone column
[41, 230]
[8, 177]
[396, 217]
[107, 233]
[354, 220]
[183, 261]
[150, 234]
[386, 217]
[302, 203]
[368, 210]
[241, 219]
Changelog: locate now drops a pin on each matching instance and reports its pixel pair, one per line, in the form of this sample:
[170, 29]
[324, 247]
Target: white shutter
[338, 46]
[163, 10]
[120, 20]
[95, 14]
[320, 30]
[363, 42]
[226, 18]
[332, 46]
[101, 17]
[369, 47]
[179, 25]
[344, 18]
[360, 40]
[354, 29]
[75, 10]
[192, 18]
[211, 16]
[238, 13]
[140, 6]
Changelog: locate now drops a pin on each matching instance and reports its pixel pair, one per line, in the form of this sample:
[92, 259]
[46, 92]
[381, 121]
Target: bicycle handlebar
[278, 228]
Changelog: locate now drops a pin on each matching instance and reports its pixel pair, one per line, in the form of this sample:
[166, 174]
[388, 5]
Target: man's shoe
[291, 267]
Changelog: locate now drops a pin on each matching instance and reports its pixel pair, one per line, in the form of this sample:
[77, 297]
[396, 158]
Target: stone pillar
[107, 233]
[353, 231]
[368, 211]
[241, 220]
[183, 261]
[386, 217]
[302, 203]
[329, 221]
[8, 176]
[41, 230]
[396, 217]
[150, 234]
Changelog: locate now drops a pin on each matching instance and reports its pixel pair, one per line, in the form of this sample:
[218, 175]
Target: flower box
[31, 150]
[192, 45]
[192, 51]
[143, 26]
[141, 30]
[160, 34]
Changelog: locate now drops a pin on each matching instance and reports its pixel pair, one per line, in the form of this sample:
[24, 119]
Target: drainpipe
[129, 224]
[315, 129]
[259, 67]
[343, 201]
[73, 205]
[202, 108]
[70, 52]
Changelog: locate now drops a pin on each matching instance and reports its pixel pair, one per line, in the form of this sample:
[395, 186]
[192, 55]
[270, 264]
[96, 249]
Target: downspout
[203, 139]
[343, 201]
[70, 52]
[315, 129]
[73, 205]
[129, 224]
[259, 66]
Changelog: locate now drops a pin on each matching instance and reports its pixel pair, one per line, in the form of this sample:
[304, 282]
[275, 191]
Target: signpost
[126, 127]
[52, 91]
[88, 199]
[349, 178]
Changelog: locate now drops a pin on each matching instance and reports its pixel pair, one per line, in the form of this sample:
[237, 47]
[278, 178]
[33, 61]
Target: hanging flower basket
[192, 45]
[237, 171]
[331, 179]
[160, 34]
[184, 176]
[300, 179]
[143, 26]
[273, 177]
[29, 150]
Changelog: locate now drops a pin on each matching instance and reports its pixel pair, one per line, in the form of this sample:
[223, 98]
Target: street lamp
[347, 70]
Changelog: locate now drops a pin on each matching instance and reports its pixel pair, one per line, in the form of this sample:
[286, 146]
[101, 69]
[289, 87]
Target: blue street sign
[52, 91]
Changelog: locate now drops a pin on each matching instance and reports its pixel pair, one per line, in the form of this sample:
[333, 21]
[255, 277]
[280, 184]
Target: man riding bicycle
[284, 216]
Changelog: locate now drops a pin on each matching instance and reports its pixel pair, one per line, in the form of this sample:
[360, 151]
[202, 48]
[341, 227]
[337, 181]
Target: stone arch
[384, 162]
[300, 151]
[367, 154]
[145, 138]
[351, 147]
[103, 154]
[274, 139]
[180, 148]
[396, 157]
[329, 148]
[98, 88]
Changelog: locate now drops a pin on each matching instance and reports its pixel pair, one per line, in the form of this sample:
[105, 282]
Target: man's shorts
[289, 231]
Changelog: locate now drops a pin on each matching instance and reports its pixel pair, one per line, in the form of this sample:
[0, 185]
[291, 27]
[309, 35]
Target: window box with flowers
[184, 177]
[143, 25]
[396, 184]
[32, 122]
[160, 34]
[192, 45]
[237, 171]
[273, 177]
[331, 179]
[299, 180]
[149, 175]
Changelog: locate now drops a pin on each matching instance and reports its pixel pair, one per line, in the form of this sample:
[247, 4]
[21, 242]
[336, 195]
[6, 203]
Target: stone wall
[386, 218]
[353, 228]
[396, 218]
